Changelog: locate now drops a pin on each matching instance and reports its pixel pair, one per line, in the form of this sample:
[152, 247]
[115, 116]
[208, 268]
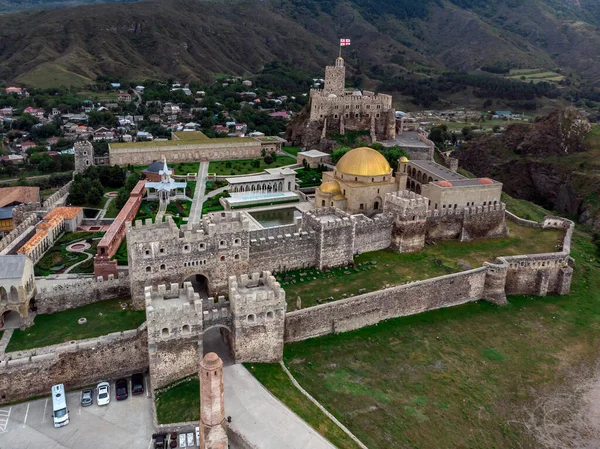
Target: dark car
[137, 383]
[121, 389]
[87, 397]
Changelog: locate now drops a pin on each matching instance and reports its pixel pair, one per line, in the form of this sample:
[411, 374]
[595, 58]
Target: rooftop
[312, 153]
[408, 139]
[437, 170]
[19, 195]
[12, 267]
[66, 213]
[184, 141]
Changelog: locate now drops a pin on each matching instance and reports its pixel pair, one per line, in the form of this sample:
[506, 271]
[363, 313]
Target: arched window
[148, 269]
[185, 329]
[269, 315]
[251, 318]
[186, 247]
[165, 332]
[222, 258]
[236, 241]
[3, 296]
[236, 257]
[162, 267]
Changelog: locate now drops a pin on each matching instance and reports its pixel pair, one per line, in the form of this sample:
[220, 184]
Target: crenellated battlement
[282, 238]
[466, 211]
[327, 218]
[257, 287]
[147, 231]
[406, 204]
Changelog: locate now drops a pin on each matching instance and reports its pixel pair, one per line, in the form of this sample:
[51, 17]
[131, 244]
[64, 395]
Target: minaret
[212, 405]
[335, 78]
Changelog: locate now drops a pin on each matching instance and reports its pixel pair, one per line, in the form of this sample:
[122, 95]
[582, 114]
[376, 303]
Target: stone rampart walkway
[261, 418]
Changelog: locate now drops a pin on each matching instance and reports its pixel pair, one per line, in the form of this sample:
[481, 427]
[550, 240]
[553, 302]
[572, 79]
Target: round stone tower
[212, 405]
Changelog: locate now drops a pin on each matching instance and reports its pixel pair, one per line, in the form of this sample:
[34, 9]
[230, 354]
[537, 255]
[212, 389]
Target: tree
[337, 154]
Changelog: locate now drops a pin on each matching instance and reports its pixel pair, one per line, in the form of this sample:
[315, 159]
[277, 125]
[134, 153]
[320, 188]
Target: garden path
[89, 256]
[199, 194]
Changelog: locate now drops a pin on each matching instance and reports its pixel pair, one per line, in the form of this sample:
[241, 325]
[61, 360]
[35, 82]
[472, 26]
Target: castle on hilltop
[336, 110]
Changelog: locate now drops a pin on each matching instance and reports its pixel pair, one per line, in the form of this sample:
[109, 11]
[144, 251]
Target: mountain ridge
[191, 39]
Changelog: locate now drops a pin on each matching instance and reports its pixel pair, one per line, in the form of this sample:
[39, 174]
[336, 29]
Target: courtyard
[102, 317]
[376, 270]
[66, 256]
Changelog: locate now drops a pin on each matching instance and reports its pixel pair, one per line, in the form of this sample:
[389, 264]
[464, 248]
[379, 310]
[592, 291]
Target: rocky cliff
[552, 162]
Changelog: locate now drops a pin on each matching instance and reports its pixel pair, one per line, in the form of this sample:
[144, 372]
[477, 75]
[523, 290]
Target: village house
[124, 96]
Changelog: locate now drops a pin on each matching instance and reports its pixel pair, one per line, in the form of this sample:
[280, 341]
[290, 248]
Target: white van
[60, 413]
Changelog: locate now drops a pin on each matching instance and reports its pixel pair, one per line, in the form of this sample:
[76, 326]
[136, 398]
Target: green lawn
[112, 211]
[245, 166]
[102, 317]
[212, 204]
[179, 403]
[121, 254]
[278, 383]
[292, 150]
[374, 270]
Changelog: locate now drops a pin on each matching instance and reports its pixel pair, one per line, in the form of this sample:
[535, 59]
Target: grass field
[535, 75]
[179, 403]
[473, 376]
[245, 166]
[375, 270]
[102, 317]
[49, 75]
[292, 150]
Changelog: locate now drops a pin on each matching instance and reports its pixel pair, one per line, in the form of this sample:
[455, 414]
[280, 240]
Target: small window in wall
[377, 115]
[186, 247]
[356, 178]
[335, 116]
[237, 242]
[322, 203]
[269, 315]
[222, 243]
[202, 246]
[251, 318]
[377, 190]
[162, 250]
[147, 252]
[347, 106]
[85, 153]
[344, 191]
[162, 267]
[332, 204]
[222, 258]
[165, 332]
[362, 206]
[236, 257]
[321, 115]
[356, 115]
[373, 180]
[148, 269]
[185, 329]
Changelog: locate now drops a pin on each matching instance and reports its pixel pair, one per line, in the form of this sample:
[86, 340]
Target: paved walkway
[89, 256]
[263, 420]
[105, 208]
[199, 193]
[4, 341]
[162, 208]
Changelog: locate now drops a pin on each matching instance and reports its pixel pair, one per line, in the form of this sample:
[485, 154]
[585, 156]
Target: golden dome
[403, 159]
[330, 187]
[363, 162]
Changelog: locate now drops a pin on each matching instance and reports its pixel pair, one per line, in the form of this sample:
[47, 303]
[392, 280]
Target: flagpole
[340, 48]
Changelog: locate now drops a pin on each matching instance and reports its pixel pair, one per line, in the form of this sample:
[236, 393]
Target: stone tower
[409, 213]
[258, 309]
[212, 405]
[84, 155]
[335, 78]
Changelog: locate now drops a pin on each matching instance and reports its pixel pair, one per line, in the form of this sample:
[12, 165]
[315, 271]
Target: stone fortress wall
[70, 292]
[536, 274]
[222, 245]
[32, 373]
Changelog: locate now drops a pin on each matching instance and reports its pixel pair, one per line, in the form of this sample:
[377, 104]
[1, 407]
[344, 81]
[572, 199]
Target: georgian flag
[344, 42]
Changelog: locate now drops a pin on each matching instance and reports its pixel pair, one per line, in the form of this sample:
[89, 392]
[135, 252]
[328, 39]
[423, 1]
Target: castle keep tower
[212, 404]
[335, 78]
[84, 155]
[409, 213]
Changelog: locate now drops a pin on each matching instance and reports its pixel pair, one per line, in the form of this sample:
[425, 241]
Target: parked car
[87, 397]
[137, 383]
[103, 390]
[121, 389]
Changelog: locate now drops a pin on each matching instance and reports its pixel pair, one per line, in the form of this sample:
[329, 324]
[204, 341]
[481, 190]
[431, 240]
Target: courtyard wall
[52, 296]
[32, 373]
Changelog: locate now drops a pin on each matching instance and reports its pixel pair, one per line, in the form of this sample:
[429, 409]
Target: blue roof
[6, 212]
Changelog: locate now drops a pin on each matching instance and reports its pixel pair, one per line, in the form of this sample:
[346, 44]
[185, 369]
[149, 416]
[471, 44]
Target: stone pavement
[261, 418]
[4, 342]
[196, 209]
